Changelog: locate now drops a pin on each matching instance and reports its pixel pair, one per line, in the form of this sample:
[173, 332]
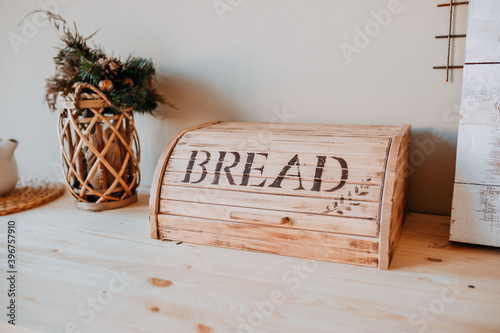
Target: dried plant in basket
[128, 83]
[99, 142]
[103, 177]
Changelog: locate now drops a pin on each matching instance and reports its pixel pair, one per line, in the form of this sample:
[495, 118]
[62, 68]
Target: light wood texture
[394, 198]
[67, 256]
[483, 32]
[270, 217]
[282, 155]
[256, 238]
[8, 328]
[285, 144]
[283, 186]
[175, 178]
[319, 129]
[295, 204]
[154, 202]
[475, 206]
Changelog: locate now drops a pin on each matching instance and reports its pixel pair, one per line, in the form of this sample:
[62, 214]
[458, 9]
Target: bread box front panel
[311, 191]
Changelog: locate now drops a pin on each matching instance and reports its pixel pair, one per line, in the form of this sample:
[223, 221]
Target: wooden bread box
[328, 192]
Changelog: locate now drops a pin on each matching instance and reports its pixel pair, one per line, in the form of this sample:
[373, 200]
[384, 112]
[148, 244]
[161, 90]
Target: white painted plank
[476, 214]
[478, 154]
[481, 95]
[483, 32]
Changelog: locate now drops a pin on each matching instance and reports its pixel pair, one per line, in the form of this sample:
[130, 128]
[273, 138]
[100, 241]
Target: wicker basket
[100, 151]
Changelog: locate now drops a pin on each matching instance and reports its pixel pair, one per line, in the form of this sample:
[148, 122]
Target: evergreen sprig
[139, 68]
[126, 84]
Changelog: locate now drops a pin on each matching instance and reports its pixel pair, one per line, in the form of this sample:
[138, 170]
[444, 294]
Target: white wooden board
[483, 32]
[481, 94]
[477, 209]
[478, 154]
[474, 211]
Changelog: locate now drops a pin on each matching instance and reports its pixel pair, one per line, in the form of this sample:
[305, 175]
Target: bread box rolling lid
[329, 192]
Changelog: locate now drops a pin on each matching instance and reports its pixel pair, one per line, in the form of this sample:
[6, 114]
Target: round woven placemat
[30, 192]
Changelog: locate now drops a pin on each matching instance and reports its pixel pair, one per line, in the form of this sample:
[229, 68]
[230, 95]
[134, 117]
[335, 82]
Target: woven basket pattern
[100, 151]
[30, 192]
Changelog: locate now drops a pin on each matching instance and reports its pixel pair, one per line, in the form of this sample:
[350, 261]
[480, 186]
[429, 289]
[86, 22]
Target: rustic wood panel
[154, 203]
[246, 180]
[68, 256]
[176, 172]
[286, 150]
[252, 126]
[394, 196]
[483, 32]
[323, 129]
[478, 147]
[279, 158]
[476, 218]
[192, 196]
[344, 134]
[480, 95]
[271, 217]
[271, 234]
[357, 190]
[287, 144]
[306, 251]
[348, 192]
[476, 214]
[313, 137]
[478, 154]
[270, 167]
[400, 199]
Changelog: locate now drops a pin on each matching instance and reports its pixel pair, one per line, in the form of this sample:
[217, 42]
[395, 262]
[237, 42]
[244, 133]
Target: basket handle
[78, 90]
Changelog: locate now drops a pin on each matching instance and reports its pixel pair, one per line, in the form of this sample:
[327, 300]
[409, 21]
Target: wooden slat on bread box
[328, 192]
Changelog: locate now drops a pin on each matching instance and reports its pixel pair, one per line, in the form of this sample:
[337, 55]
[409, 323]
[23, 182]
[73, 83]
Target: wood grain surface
[476, 214]
[67, 256]
[483, 32]
[266, 184]
[475, 209]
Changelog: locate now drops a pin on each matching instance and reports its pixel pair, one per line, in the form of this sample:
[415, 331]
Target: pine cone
[113, 66]
[106, 85]
[128, 82]
[102, 62]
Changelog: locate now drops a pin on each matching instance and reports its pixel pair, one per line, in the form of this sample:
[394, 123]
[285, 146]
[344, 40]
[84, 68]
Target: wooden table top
[100, 272]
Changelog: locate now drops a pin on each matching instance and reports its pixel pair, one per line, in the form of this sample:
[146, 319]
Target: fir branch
[139, 69]
[132, 81]
[90, 72]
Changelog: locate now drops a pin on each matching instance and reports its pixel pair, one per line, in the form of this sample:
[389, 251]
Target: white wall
[265, 55]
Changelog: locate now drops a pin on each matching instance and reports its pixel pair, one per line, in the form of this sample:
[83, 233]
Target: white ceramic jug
[8, 166]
